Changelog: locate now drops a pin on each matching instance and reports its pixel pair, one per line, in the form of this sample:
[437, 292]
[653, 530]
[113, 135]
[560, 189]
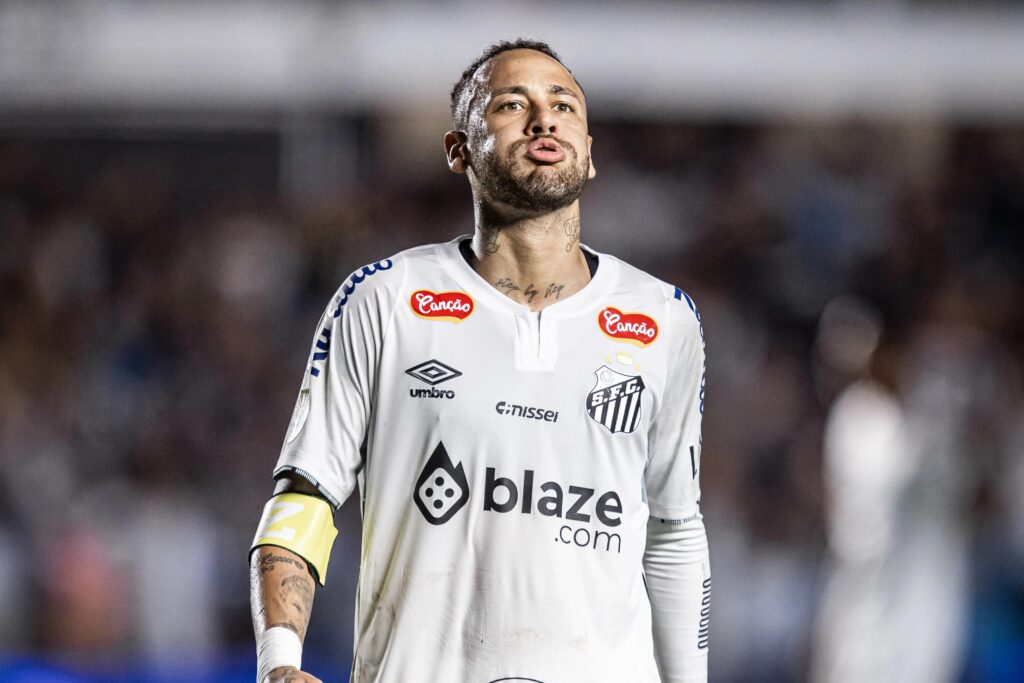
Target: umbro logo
[432, 372]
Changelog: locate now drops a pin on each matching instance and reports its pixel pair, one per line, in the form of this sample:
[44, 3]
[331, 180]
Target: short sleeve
[672, 477]
[328, 426]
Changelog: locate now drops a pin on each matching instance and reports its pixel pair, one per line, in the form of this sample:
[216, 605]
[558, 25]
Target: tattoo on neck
[491, 241]
[572, 231]
[554, 289]
[507, 285]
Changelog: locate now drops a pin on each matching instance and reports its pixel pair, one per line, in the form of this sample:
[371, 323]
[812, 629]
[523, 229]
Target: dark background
[163, 266]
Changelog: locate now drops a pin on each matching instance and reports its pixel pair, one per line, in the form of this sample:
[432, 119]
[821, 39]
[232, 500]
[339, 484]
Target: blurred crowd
[863, 447]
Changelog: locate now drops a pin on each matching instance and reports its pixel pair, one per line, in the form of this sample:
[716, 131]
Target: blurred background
[838, 184]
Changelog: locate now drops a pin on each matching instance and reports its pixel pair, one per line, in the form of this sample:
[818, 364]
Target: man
[522, 416]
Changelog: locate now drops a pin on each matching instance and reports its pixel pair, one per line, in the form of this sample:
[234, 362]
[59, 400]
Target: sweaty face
[528, 133]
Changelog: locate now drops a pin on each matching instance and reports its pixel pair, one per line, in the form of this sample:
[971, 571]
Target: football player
[521, 415]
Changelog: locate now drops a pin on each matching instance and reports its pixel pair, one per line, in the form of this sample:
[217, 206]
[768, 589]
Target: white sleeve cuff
[678, 575]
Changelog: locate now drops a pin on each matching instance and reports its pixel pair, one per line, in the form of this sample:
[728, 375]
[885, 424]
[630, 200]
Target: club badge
[615, 400]
[453, 307]
[634, 328]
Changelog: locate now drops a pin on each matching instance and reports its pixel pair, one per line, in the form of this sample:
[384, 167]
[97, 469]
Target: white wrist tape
[278, 646]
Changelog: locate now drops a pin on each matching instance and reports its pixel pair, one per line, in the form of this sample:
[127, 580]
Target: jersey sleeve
[325, 436]
[672, 476]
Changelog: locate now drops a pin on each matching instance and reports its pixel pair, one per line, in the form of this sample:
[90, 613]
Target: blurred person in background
[522, 416]
[905, 457]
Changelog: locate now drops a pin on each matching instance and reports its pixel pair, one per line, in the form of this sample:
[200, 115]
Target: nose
[542, 122]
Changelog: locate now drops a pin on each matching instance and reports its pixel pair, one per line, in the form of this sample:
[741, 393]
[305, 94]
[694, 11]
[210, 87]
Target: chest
[527, 372]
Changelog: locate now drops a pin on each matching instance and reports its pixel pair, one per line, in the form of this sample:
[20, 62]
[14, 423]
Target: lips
[545, 151]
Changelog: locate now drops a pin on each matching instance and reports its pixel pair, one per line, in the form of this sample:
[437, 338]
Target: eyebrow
[521, 90]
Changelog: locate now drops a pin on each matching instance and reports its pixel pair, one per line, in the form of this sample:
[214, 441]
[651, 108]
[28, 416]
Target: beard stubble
[534, 190]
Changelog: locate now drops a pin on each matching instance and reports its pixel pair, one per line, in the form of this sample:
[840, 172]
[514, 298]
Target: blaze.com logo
[442, 490]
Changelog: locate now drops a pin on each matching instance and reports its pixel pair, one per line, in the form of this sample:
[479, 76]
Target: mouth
[545, 151]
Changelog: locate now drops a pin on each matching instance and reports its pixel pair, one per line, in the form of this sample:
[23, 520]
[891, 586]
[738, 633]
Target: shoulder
[677, 310]
[378, 283]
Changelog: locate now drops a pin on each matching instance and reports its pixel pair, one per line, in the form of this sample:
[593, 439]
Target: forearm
[281, 584]
[678, 575]
[290, 554]
[281, 591]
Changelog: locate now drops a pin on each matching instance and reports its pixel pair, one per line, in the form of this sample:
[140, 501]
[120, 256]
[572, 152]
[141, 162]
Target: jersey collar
[583, 301]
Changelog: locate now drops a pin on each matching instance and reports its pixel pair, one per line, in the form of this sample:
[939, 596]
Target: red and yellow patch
[633, 328]
[453, 307]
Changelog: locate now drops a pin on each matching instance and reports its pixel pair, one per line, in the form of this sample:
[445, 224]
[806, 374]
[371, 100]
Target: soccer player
[522, 417]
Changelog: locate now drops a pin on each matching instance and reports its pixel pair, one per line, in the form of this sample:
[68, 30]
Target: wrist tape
[277, 646]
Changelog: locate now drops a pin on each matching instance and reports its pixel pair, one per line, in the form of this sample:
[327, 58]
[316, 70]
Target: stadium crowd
[158, 297]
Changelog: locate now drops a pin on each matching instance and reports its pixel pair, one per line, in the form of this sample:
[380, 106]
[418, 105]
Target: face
[526, 146]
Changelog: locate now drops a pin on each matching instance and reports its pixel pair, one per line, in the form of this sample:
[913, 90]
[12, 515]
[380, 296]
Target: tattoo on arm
[290, 673]
[298, 591]
[268, 562]
[572, 231]
[295, 600]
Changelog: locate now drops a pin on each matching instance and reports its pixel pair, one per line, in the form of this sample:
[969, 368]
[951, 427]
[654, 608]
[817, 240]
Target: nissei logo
[529, 412]
[442, 489]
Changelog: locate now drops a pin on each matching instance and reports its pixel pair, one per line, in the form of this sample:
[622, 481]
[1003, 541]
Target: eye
[564, 107]
[511, 105]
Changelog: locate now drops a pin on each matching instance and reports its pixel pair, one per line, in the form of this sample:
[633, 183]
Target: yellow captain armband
[300, 523]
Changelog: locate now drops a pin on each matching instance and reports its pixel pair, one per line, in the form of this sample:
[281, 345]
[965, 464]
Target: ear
[455, 151]
[593, 171]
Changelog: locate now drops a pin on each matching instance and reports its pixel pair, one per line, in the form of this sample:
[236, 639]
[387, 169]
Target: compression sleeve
[678, 575]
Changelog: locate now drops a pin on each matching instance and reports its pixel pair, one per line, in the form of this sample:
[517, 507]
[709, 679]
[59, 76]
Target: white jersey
[508, 462]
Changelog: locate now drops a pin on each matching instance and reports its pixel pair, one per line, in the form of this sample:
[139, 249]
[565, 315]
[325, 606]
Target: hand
[289, 674]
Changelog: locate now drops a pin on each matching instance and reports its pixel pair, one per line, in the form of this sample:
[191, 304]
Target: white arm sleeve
[678, 575]
[676, 565]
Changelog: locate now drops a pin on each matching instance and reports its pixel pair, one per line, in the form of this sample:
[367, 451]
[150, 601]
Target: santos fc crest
[615, 401]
